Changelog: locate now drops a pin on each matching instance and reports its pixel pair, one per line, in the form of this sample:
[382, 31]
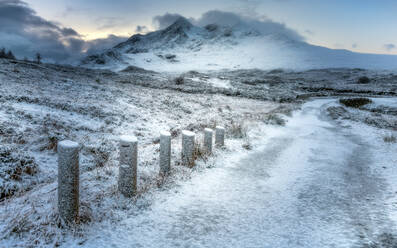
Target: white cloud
[389, 47]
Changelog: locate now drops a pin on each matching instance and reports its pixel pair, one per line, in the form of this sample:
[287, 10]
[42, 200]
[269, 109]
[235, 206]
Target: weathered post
[208, 133]
[220, 136]
[188, 148]
[128, 162]
[165, 152]
[68, 181]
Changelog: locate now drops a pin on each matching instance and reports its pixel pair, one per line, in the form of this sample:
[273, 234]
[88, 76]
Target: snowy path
[311, 184]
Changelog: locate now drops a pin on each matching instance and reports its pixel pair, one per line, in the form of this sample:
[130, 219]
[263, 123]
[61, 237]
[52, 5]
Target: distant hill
[183, 46]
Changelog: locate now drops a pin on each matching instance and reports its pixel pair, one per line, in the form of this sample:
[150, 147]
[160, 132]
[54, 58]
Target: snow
[314, 182]
[128, 139]
[165, 133]
[301, 186]
[188, 133]
[201, 50]
[389, 102]
[51, 103]
[215, 82]
[67, 144]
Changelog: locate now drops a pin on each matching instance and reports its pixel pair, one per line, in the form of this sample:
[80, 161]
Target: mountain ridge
[183, 46]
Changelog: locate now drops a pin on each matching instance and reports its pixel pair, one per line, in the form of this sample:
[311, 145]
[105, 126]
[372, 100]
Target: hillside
[183, 46]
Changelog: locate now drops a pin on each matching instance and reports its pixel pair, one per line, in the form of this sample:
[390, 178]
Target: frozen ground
[323, 180]
[312, 183]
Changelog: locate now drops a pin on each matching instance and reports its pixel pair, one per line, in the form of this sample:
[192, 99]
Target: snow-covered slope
[183, 46]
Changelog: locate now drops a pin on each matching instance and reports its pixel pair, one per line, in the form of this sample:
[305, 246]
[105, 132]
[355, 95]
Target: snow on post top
[165, 133]
[128, 139]
[187, 133]
[208, 130]
[68, 144]
[220, 127]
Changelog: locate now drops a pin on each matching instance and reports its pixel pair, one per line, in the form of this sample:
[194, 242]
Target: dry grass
[237, 130]
[355, 102]
[179, 80]
[274, 119]
[363, 80]
[200, 153]
[390, 138]
[247, 144]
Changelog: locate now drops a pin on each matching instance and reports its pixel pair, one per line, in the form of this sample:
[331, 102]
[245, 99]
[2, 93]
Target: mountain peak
[180, 23]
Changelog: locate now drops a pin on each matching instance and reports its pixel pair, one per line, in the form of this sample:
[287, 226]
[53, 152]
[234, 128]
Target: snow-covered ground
[317, 181]
[313, 183]
[43, 104]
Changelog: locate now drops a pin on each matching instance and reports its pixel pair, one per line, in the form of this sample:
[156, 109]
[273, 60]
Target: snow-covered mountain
[183, 46]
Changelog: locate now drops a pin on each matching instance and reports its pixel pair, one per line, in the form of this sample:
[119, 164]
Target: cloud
[389, 47]
[97, 45]
[338, 46]
[249, 7]
[26, 33]
[110, 22]
[141, 29]
[163, 21]
[264, 25]
[309, 32]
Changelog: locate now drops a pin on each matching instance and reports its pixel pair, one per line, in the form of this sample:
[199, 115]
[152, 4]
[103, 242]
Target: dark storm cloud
[69, 32]
[98, 45]
[26, 33]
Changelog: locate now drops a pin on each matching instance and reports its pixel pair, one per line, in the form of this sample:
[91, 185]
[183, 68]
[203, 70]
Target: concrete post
[208, 133]
[220, 136]
[68, 181]
[188, 148]
[128, 162]
[165, 152]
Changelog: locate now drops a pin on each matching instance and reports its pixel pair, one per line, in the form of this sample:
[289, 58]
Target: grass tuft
[355, 102]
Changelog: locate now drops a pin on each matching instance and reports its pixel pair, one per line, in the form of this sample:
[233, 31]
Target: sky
[367, 26]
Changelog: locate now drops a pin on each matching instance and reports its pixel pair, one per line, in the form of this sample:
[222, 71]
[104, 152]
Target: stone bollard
[165, 152]
[208, 133]
[68, 181]
[128, 162]
[188, 148]
[220, 136]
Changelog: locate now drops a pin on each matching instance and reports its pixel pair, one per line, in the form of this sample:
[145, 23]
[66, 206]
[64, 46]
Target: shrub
[390, 139]
[276, 71]
[179, 80]
[247, 144]
[15, 171]
[101, 155]
[363, 80]
[274, 119]
[238, 130]
[199, 153]
[355, 102]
